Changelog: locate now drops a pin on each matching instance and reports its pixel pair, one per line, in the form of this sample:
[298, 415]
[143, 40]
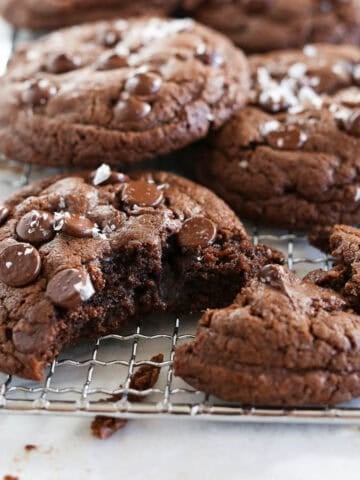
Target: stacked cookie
[276, 135]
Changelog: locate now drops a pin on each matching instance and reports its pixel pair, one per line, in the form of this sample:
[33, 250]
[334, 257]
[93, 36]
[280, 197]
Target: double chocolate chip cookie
[264, 25]
[121, 91]
[344, 277]
[82, 255]
[50, 14]
[284, 342]
[291, 157]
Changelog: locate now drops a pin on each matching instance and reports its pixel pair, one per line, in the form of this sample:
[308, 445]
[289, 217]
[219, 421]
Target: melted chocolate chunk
[61, 63]
[69, 288]
[144, 84]
[131, 110]
[20, 264]
[78, 226]
[197, 232]
[36, 227]
[112, 61]
[4, 214]
[142, 194]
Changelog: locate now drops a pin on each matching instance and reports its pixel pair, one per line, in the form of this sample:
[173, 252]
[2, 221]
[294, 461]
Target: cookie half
[291, 157]
[121, 91]
[82, 255]
[265, 25]
[47, 14]
[284, 342]
[344, 277]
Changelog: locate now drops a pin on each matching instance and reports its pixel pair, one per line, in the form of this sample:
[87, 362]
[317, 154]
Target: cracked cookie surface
[291, 157]
[264, 25]
[284, 342]
[122, 91]
[344, 277]
[82, 255]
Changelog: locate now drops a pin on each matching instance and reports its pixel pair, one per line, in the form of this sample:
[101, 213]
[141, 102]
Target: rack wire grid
[84, 379]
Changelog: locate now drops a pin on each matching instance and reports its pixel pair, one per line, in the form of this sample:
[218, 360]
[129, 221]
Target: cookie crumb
[30, 447]
[146, 376]
[105, 427]
[10, 477]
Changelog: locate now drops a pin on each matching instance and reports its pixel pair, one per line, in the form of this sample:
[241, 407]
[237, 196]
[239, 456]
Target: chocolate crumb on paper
[104, 427]
[144, 378]
[30, 447]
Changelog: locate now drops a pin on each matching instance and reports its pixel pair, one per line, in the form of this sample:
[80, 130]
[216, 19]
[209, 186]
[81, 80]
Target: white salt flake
[8, 265]
[310, 51]
[297, 70]
[102, 174]
[357, 194]
[309, 98]
[270, 126]
[85, 289]
[243, 164]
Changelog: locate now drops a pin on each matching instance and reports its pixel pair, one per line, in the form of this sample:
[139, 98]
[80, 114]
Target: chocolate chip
[112, 61]
[78, 226]
[141, 193]
[20, 265]
[211, 58]
[131, 110]
[61, 63]
[144, 84]
[353, 124]
[287, 137]
[38, 92]
[4, 214]
[36, 227]
[197, 232]
[69, 288]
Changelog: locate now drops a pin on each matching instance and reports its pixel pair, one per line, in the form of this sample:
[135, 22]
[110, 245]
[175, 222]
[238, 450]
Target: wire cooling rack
[83, 380]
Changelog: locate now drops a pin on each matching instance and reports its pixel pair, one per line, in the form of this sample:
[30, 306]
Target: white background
[156, 450]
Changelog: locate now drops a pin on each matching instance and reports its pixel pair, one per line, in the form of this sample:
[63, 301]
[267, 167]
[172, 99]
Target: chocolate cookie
[82, 255]
[291, 158]
[283, 342]
[265, 25]
[121, 91]
[344, 277]
[50, 14]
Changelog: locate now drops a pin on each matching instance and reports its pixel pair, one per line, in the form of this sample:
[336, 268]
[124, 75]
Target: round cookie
[84, 254]
[291, 157]
[283, 342]
[121, 92]
[50, 14]
[265, 25]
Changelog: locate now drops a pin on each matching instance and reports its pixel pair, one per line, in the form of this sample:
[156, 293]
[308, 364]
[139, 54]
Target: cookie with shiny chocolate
[284, 342]
[344, 277]
[82, 255]
[122, 92]
[47, 14]
[291, 157]
[265, 25]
